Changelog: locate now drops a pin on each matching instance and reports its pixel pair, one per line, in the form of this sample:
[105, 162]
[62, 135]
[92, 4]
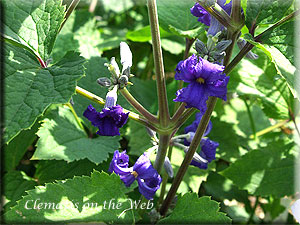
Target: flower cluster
[208, 147]
[147, 177]
[205, 79]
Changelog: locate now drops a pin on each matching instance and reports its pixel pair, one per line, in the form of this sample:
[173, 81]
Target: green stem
[134, 116]
[153, 119]
[250, 118]
[164, 115]
[178, 112]
[70, 9]
[162, 151]
[189, 155]
[236, 13]
[75, 115]
[186, 114]
[253, 211]
[269, 129]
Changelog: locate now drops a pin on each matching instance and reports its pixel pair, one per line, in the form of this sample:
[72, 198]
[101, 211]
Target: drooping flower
[147, 177]
[205, 79]
[203, 16]
[208, 152]
[119, 162]
[109, 120]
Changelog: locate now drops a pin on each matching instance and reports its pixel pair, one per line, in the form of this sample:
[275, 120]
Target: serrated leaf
[193, 210]
[30, 89]
[266, 11]
[177, 14]
[80, 199]
[61, 138]
[33, 23]
[265, 171]
[16, 149]
[51, 170]
[15, 185]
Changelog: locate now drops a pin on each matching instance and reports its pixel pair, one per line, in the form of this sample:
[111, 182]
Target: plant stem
[186, 114]
[189, 155]
[70, 9]
[250, 118]
[164, 115]
[253, 211]
[153, 119]
[134, 116]
[162, 151]
[236, 13]
[75, 115]
[271, 128]
[178, 112]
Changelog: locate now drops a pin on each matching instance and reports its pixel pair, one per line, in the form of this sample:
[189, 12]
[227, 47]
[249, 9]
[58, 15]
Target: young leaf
[34, 23]
[265, 171]
[61, 138]
[81, 199]
[30, 89]
[193, 210]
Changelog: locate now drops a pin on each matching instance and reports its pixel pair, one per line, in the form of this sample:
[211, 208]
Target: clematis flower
[208, 152]
[205, 79]
[109, 120]
[203, 16]
[119, 162]
[147, 177]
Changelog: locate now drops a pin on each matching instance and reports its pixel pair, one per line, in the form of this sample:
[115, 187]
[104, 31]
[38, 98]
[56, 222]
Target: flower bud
[223, 45]
[200, 47]
[111, 98]
[123, 80]
[104, 82]
[168, 167]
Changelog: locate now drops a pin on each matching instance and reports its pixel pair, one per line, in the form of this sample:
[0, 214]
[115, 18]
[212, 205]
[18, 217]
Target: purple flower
[203, 16]
[109, 120]
[205, 79]
[208, 152]
[147, 177]
[193, 127]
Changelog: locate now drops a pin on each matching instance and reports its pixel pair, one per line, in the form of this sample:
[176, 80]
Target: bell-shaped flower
[203, 16]
[205, 79]
[119, 162]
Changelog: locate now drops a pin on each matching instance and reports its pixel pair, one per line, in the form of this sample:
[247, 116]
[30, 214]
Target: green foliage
[40, 86]
[265, 171]
[193, 210]
[261, 12]
[33, 23]
[61, 138]
[80, 199]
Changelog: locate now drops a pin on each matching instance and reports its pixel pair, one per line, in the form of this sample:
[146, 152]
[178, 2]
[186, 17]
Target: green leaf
[16, 183]
[265, 171]
[176, 16]
[266, 11]
[193, 210]
[30, 23]
[37, 87]
[61, 138]
[80, 33]
[51, 170]
[282, 38]
[144, 34]
[16, 149]
[80, 199]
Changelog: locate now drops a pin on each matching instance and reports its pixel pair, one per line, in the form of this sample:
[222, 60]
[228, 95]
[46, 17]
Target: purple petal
[128, 179]
[143, 167]
[92, 115]
[148, 187]
[120, 160]
[188, 69]
[208, 149]
[203, 16]
[193, 127]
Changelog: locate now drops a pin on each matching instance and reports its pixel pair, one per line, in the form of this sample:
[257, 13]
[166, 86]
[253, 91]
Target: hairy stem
[189, 155]
[271, 128]
[162, 151]
[70, 9]
[134, 116]
[164, 115]
[138, 106]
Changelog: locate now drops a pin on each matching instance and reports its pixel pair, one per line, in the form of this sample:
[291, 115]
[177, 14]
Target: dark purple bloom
[208, 152]
[147, 177]
[109, 120]
[193, 127]
[205, 79]
[203, 16]
[119, 162]
[215, 26]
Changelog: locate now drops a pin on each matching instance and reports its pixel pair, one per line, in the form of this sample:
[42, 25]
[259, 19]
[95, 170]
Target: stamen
[200, 80]
[134, 173]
